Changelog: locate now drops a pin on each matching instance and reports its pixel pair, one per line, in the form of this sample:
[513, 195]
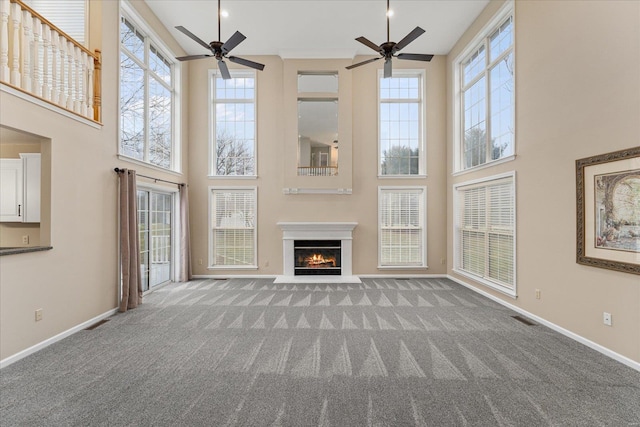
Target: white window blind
[68, 15]
[485, 231]
[233, 227]
[401, 234]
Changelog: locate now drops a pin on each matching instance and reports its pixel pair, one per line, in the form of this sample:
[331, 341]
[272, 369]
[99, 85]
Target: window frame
[423, 226]
[211, 223]
[458, 199]
[213, 74]
[128, 12]
[482, 39]
[422, 133]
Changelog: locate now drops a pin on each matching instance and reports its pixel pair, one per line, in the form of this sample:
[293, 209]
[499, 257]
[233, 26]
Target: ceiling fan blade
[224, 70]
[190, 57]
[246, 62]
[408, 39]
[233, 41]
[368, 43]
[415, 56]
[363, 63]
[193, 37]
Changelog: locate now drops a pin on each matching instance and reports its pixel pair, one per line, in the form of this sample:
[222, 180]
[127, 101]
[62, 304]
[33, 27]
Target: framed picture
[608, 208]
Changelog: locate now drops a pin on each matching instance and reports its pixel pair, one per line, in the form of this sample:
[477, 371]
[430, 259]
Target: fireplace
[317, 252]
[317, 257]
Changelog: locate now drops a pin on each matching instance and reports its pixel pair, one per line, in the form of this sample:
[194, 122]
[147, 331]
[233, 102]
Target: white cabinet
[11, 194]
[31, 189]
[20, 188]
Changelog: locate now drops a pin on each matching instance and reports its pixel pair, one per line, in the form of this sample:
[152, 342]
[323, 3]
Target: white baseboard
[595, 346]
[24, 353]
[233, 276]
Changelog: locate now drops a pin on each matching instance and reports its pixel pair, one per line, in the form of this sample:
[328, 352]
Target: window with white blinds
[402, 227]
[233, 227]
[68, 15]
[485, 231]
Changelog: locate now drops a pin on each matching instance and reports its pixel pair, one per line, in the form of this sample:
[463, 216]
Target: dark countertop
[23, 250]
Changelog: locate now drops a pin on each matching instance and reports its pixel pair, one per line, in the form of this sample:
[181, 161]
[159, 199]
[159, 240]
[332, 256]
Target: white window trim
[176, 219]
[422, 132]
[213, 74]
[211, 265]
[423, 218]
[456, 235]
[129, 12]
[508, 8]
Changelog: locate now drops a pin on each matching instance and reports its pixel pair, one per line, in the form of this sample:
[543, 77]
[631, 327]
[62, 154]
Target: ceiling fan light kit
[387, 50]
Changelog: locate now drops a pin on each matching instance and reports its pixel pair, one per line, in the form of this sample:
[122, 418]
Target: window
[147, 98]
[485, 231]
[487, 97]
[68, 15]
[233, 227]
[233, 136]
[401, 124]
[402, 227]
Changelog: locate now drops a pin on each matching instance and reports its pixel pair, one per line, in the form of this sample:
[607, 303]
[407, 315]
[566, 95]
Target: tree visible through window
[487, 98]
[234, 118]
[400, 124]
[146, 98]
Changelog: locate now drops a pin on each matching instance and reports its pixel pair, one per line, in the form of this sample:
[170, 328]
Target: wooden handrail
[53, 27]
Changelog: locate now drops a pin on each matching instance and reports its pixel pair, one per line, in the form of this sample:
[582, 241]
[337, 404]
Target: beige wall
[577, 95]
[277, 145]
[78, 279]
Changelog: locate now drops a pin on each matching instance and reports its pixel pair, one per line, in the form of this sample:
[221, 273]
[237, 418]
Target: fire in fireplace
[317, 257]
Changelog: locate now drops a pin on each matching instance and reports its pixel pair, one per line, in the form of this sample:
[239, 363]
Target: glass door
[155, 213]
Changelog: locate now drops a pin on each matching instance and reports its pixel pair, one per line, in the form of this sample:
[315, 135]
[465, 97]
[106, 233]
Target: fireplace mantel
[292, 231]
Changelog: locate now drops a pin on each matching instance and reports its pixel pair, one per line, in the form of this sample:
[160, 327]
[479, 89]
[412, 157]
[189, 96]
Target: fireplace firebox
[317, 257]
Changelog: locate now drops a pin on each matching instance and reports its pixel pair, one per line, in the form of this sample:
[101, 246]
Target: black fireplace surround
[317, 257]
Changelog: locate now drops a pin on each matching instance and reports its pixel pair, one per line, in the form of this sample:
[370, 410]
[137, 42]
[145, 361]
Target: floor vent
[524, 320]
[95, 325]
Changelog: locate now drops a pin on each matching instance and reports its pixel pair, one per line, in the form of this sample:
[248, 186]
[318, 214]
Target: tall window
[485, 231]
[401, 124]
[487, 97]
[147, 98]
[233, 227]
[402, 227]
[233, 137]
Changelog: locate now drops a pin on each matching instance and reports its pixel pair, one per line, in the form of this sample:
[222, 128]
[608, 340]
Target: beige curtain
[129, 241]
[185, 235]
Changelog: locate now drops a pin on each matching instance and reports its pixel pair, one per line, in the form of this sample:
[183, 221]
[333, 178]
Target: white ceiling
[319, 28]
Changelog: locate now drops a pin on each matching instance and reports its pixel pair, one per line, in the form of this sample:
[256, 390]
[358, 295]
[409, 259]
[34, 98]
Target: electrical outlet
[443, 261]
[38, 315]
[538, 293]
[606, 318]
[25, 239]
[199, 261]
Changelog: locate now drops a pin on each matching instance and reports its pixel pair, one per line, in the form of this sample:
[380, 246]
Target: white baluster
[90, 113]
[83, 82]
[46, 62]
[70, 77]
[36, 83]
[62, 100]
[78, 67]
[26, 50]
[15, 52]
[55, 81]
[5, 5]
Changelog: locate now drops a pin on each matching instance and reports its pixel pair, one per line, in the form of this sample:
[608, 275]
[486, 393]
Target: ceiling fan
[219, 50]
[390, 49]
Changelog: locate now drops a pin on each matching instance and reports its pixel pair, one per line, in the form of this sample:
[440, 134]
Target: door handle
[19, 206]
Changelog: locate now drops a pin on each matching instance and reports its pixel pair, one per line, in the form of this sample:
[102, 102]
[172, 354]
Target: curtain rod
[180, 184]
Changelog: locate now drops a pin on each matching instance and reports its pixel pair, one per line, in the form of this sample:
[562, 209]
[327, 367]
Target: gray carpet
[247, 352]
